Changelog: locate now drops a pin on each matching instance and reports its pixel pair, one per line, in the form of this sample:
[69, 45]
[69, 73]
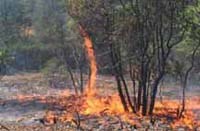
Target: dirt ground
[18, 116]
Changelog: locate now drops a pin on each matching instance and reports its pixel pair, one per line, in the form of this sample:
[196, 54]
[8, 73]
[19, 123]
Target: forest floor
[16, 115]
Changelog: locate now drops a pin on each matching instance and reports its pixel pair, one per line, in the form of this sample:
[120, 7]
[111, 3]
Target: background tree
[188, 52]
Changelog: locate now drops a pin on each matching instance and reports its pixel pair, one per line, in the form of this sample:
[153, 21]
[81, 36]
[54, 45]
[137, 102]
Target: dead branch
[77, 120]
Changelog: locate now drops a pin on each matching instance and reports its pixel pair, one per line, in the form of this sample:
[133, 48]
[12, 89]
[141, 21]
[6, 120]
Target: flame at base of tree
[110, 106]
[66, 107]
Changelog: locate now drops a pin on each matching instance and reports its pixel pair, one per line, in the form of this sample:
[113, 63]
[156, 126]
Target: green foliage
[4, 57]
[193, 20]
[191, 40]
[34, 32]
[192, 13]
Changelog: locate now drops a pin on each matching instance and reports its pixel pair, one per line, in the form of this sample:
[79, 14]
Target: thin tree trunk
[154, 93]
[127, 93]
[73, 80]
[81, 79]
[144, 100]
[117, 77]
[119, 87]
[185, 80]
[144, 87]
[132, 76]
[139, 97]
[183, 100]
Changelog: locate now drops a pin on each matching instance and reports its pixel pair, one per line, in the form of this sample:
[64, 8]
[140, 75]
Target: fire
[67, 107]
[91, 85]
[92, 103]
[168, 108]
[111, 106]
[98, 104]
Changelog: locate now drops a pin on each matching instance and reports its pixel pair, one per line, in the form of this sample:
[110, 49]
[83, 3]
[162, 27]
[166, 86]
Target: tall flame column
[91, 84]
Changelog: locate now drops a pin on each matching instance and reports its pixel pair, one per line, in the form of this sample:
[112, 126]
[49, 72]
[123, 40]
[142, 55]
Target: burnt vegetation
[141, 43]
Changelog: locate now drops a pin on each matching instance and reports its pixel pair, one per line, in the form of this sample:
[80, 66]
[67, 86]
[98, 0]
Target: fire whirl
[91, 85]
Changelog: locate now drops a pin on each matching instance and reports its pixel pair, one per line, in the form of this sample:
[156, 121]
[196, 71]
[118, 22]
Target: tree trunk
[139, 97]
[133, 79]
[144, 100]
[81, 79]
[119, 87]
[183, 100]
[185, 80]
[117, 77]
[127, 93]
[73, 80]
[154, 93]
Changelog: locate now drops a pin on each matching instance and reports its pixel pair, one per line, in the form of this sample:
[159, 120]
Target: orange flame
[98, 105]
[91, 85]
